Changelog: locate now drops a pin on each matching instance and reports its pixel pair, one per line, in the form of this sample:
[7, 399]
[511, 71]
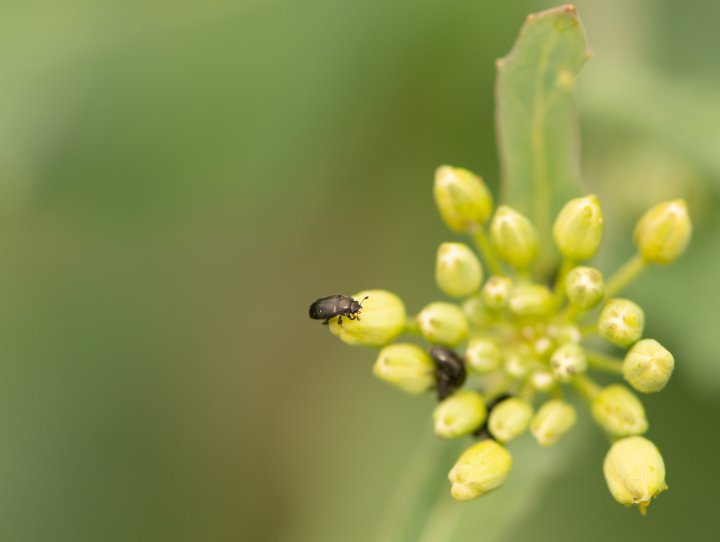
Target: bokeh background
[179, 180]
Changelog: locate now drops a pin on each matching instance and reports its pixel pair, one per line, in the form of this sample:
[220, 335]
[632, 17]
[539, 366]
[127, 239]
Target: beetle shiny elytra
[451, 371]
[336, 305]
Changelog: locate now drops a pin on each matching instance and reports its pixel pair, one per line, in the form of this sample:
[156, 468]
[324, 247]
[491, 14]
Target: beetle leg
[340, 320]
[326, 321]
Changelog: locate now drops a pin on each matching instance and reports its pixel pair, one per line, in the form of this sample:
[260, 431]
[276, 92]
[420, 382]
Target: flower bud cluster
[507, 351]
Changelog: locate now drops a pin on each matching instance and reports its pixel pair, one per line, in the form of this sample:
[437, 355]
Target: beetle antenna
[363, 299]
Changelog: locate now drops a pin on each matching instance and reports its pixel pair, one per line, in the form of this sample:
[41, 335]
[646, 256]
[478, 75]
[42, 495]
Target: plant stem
[586, 387]
[407, 508]
[603, 362]
[565, 268]
[625, 275]
[443, 519]
[488, 253]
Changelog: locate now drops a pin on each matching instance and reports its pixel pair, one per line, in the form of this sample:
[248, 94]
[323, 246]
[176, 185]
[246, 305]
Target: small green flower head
[662, 234]
[584, 287]
[482, 356]
[621, 322]
[635, 472]
[578, 228]
[514, 237]
[510, 419]
[460, 414]
[480, 469]
[568, 361]
[405, 366]
[496, 292]
[443, 323]
[619, 412]
[553, 420]
[457, 271]
[648, 366]
[462, 198]
[528, 299]
[383, 318]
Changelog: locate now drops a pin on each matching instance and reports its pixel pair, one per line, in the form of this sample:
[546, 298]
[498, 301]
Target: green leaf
[536, 122]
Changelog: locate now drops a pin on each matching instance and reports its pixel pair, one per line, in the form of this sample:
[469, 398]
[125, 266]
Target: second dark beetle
[336, 305]
[451, 372]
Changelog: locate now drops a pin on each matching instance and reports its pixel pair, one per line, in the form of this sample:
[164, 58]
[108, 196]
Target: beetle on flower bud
[336, 305]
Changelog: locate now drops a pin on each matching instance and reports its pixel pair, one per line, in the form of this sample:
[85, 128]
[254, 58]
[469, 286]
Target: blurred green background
[179, 180]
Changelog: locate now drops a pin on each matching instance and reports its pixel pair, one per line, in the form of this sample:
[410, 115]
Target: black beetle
[451, 372]
[336, 305]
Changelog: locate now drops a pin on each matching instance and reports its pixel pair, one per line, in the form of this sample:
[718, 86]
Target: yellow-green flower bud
[482, 356]
[382, 319]
[462, 198]
[584, 287]
[553, 420]
[405, 366]
[529, 299]
[568, 361]
[476, 312]
[443, 323]
[542, 380]
[514, 237]
[510, 419]
[480, 469]
[621, 322]
[458, 271]
[634, 471]
[543, 346]
[460, 414]
[648, 366]
[565, 333]
[619, 412]
[578, 228]
[496, 292]
[662, 234]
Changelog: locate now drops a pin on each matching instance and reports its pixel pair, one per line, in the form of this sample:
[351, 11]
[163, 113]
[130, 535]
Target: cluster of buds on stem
[523, 344]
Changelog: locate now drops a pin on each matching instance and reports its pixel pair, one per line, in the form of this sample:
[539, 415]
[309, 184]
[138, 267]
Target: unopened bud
[619, 412]
[553, 420]
[568, 361]
[458, 271]
[584, 287]
[480, 469]
[565, 333]
[530, 299]
[460, 414]
[482, 355]
[496, 292]
[405, 366]
[634, 471]
[542, 380]
[476, 312]
[510, 419]
[578, 228]
[443, 323]
[382, 319]
[621, 322]
[462, 198]
[662, 234]
[514, 237]
[648, 366]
